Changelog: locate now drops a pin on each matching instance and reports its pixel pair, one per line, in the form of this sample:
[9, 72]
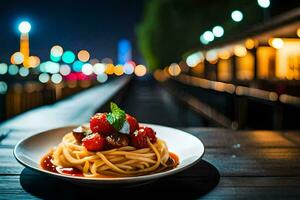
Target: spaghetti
[117, 162]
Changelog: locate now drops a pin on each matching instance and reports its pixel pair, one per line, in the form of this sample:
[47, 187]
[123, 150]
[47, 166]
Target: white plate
[188, 148]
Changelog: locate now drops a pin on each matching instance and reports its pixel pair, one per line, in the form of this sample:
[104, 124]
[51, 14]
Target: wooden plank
[31, 186]
[259, 139]
[229, 161]
[217, 138]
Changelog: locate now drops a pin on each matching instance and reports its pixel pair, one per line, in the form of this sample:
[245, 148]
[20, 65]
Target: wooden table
[243, 164]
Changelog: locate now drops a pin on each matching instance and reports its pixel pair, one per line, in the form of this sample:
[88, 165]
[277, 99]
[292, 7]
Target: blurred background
[232, 64]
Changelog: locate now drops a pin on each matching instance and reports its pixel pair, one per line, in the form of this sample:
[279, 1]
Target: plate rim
[109, 180]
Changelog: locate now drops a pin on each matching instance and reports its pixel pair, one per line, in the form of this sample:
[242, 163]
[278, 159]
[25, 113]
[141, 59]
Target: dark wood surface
[241, 164]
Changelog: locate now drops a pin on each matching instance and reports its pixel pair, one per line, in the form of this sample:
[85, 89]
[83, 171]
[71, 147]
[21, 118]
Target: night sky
[93, 25]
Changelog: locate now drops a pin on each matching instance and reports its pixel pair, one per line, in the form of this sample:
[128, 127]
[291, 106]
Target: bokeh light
[87, 69]
[68, 57]
[3, 68]
[99, 68]
[211, 55]
[118, 70]
[56, 51]
[109, 69]
[264, 3]
[107, 61]
[83, 55]
[237, 16]
[24, 27]
[51, 67]
[218, 31]
[56, 78]
[128, 68]
[33, 61]
[194, 59]
[77, 66]
[55, 59]
[17, 58]
[208, 36]
[174, 69]
[101, 78]
[277, 43]
[240, 51]
[44, 77]
[65, 70]
[13, 69]
[203, 40]
[94, 61]
[249, 43]
[24, 71]
[3, 87]
[140, 70]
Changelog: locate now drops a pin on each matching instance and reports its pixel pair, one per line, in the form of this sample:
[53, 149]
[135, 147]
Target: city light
[24, 27]
[218, 31]
[211, 55]
[298, 32]
[3, 87]
[249, 43]
[65, 70]
[68, 57]
[77, 66]
[17, 58]
[277, 43]
[56, 51]
[264, 3]
[33, 61]
[99, 68]
[240, 51]
[13, 69]
[3, 68]
[44, 77]
[194, 59]
[109, 69]
[174, 69]
[56, 78]
[23, 71]
[140, 70]
[208, 36]
[101, 78]
[51, 67]
[203, 41]
[237, 16]
[128, 68]
[118, 70]
[83, 55]
[87, 69]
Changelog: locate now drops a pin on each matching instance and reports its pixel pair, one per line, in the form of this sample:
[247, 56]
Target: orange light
[118, 70]
[140, 70]
[249, 43]
[224, 55]
[240, 51]
[33, 61]
[174, 69]
[276, 43]
[298, 32]
[17, 58]
[83, 55]
[109, 69]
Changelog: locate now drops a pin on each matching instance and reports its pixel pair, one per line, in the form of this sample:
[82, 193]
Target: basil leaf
[116, 117]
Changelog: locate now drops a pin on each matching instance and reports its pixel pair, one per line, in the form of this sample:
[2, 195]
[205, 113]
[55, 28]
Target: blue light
[124, 51]
[77, 66]
[68, 57]
[54, 58]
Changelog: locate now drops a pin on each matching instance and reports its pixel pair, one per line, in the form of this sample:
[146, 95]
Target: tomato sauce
[46, 164]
